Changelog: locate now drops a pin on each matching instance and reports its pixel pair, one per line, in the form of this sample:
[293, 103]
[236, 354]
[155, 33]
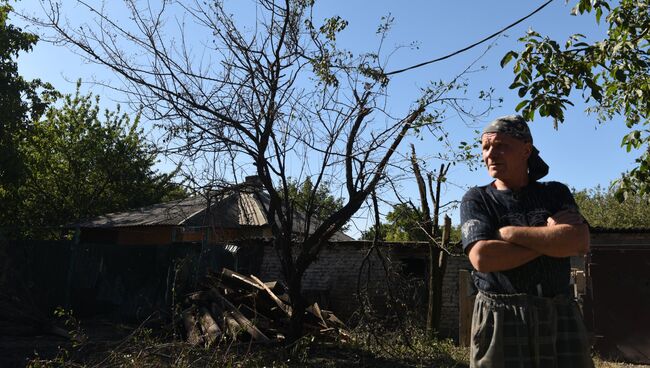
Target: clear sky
[581, 153]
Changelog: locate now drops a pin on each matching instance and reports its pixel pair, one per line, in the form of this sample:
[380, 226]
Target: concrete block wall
[450, 311]
[332, 279]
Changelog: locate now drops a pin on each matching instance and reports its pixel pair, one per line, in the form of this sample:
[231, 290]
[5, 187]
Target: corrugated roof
[252, 210]
[169, 213]
[231, 209]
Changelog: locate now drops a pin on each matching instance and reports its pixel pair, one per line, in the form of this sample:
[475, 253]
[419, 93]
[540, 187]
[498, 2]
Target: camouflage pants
[526, 331]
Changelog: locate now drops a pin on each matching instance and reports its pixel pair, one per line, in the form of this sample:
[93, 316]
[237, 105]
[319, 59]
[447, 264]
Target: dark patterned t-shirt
[484, 210]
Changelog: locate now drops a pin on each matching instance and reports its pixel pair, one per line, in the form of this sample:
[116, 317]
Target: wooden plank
[217, 314]
[238, 281]
[283, 307]
[332, 320]
[245, 323]
[227, 323]
[231, 324]
[248, 326]
[465, 307]
[211, 330]
[191, 328]
[314, 309]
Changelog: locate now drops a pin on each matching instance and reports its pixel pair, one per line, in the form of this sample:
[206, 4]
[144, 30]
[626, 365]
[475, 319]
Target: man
[519, 234]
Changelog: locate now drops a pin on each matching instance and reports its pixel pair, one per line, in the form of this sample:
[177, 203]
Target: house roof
[240, 206]
[169, 213]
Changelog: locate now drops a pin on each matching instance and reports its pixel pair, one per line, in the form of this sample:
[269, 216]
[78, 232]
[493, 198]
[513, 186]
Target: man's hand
[566, 234]
[568, 217]
[498, 255]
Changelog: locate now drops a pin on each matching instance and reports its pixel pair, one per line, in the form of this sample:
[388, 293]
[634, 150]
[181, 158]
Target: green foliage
[406, 343]
[402, 224]
[602, 209]
[613, 73]
[81, 163]
[320, 203]
[21, 101]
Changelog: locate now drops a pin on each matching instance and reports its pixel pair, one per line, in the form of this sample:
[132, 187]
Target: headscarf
[516, 127]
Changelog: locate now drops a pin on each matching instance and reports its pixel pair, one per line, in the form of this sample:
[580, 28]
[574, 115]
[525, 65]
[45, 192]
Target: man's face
[505, 157]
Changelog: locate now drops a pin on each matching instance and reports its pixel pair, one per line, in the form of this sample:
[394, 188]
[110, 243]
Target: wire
[472, 45]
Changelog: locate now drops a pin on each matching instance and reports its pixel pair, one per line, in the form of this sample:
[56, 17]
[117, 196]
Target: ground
[104, 344]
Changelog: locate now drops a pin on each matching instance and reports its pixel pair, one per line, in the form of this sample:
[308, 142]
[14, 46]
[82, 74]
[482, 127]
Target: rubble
[235, 306]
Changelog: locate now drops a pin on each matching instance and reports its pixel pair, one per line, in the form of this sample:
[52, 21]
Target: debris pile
[232, 305]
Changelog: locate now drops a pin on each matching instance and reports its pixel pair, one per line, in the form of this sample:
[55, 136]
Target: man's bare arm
[566, 235]
[498, 255]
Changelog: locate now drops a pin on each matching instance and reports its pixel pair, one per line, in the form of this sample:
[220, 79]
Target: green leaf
[543, 111]
[619, 196]
[522, 91]
[521, 105]
[620, 75]
[507, 57]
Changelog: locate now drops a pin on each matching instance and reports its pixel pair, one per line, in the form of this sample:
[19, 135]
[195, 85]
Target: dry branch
[243, 307]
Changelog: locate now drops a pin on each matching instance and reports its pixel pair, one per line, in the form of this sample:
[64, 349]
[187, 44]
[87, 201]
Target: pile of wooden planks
[232, 305]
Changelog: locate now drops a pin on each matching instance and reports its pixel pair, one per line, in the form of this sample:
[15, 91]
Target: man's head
[508, 151]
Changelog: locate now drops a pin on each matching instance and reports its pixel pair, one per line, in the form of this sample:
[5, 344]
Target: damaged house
[140, 261]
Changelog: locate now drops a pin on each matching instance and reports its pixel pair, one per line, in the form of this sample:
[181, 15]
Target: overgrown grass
[367, 346]
[600, 363]
[147, 347]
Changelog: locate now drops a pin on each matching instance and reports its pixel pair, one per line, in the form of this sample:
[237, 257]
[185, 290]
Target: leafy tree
[81, 163]
[401, 225]
[317, 202]
[613, 73]
[601, 209]
[21, 101]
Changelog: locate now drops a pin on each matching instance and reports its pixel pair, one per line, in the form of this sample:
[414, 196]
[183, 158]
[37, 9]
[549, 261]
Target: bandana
[516, 127]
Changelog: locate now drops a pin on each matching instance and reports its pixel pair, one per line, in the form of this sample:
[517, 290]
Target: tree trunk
[438, 276]
[298, 308]
[437, 257]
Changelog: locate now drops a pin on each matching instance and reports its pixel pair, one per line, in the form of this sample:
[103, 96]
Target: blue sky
[581, 153]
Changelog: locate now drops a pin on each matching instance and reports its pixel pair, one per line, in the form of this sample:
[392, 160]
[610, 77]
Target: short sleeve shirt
[484, 210]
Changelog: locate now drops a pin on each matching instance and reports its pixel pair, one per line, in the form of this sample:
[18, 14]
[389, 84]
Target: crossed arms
[565, 235]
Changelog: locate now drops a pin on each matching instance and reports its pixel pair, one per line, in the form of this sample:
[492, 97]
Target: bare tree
[275, 98]
[429, 224]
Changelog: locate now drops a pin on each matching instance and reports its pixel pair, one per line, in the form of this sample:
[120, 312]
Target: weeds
[369, 345]
[158, 347]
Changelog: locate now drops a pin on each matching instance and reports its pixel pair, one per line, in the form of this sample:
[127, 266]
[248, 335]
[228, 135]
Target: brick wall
[332, 279]
[450, 311]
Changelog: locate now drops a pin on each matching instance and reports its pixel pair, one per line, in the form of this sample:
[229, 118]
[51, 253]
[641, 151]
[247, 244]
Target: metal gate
[617, 301]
